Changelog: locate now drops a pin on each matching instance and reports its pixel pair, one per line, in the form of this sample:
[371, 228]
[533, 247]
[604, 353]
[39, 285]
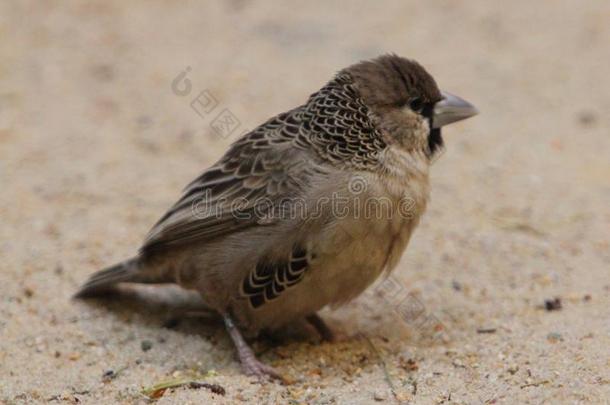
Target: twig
[535, 384]
[156, 391]
[384, 366]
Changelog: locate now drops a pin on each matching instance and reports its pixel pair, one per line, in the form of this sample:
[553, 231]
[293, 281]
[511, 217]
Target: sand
[95, 144]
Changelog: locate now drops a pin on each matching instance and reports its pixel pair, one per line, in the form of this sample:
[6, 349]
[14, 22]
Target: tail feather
[105, 279]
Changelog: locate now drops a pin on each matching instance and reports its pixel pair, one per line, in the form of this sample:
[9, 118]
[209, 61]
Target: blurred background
[98, 135]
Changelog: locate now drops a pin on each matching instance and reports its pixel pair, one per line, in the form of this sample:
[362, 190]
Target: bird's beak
[451, 109]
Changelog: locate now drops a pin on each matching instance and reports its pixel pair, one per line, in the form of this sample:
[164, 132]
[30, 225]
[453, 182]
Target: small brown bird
[308, 209]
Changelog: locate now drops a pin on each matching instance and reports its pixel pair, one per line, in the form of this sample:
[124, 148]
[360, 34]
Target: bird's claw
[253, 367]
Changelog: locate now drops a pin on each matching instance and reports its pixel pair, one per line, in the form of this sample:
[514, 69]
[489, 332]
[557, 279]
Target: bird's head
[408, 106]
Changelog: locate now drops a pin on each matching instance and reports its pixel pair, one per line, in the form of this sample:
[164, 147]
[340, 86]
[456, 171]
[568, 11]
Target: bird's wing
[271, 164]
[268, 279]
[259, 170]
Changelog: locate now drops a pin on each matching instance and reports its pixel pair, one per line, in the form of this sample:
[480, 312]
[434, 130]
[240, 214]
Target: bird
[305, 211]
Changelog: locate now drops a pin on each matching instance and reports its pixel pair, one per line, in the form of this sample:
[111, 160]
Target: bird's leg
[249, 363]
[325, 332]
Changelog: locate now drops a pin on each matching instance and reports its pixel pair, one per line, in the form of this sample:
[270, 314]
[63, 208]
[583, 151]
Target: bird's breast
[405, 177]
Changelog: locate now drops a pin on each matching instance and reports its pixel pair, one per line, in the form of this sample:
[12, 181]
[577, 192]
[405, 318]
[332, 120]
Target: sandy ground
[95, 145]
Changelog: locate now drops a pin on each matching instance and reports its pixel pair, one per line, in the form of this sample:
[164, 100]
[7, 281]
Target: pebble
[587, 118]
[108, 375]
[74, 356]
[458, 363]
[146, 345]
[554, 337]
[552, 304]
[408, 364]
[380, 395]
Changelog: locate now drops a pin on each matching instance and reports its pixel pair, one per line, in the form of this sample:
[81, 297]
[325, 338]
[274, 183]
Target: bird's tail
[102, 281]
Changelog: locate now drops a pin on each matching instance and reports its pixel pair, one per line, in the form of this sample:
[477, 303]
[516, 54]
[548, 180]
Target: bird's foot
[249, 363]
[325, 332]
[254, 367]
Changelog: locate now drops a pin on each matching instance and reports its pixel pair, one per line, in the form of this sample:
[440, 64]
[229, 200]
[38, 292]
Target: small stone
[380, 395]
[108, 375]
[74, 356]
[587, 118]
[102, 72]
[458, 363]
[554, 337]
[553, 304]
[146, 345]
[408, 364]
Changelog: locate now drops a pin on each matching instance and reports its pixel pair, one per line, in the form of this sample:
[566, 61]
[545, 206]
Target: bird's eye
[416, 104]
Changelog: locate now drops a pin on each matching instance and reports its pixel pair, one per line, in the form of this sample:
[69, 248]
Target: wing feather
[262, 166]
[272, 163]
